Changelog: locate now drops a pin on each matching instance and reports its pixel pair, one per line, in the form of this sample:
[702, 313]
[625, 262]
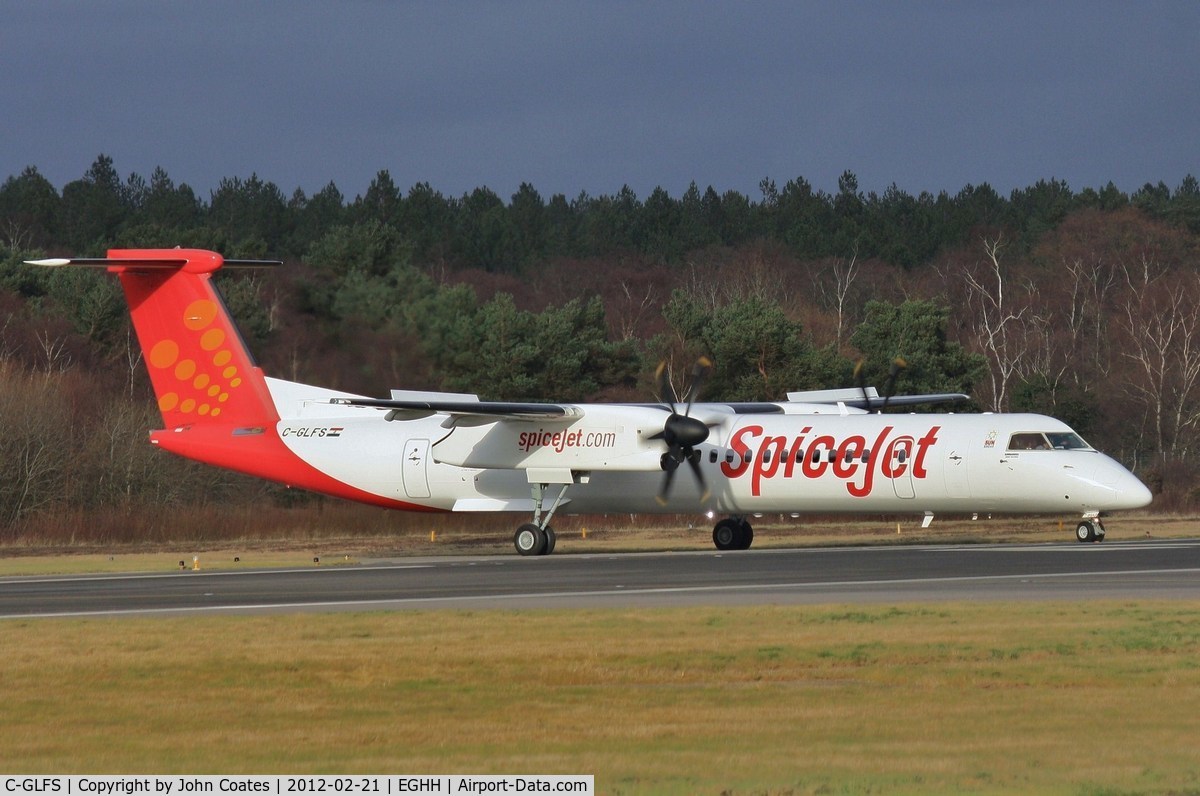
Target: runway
[1074, 572]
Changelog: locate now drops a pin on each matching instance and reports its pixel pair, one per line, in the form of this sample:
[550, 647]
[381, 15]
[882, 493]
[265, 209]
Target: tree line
[1080, 304]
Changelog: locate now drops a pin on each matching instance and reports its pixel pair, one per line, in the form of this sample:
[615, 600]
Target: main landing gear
[1090, 529]
[532, 540]
[733, 533]
[537, 538]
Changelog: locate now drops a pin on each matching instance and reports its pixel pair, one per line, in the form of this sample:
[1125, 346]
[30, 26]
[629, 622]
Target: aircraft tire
[1085, 532]
[530, 540]
[725, 535]
[744, 536]
[551, 540]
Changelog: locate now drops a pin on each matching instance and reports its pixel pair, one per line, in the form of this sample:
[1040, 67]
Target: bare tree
[1001, 323]
[835, 292]
[1160, 316]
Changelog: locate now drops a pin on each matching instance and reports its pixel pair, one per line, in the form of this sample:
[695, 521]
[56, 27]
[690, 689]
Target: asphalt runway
[1168, 569]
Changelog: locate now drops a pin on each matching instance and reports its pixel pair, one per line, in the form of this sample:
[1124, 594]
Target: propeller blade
[668, 477]
[889, 387]
[861, 384]
[700, 373]
[694, 462]
[666, 393]
[681, 432]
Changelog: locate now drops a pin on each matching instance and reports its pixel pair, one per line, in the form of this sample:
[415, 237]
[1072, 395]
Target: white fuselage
[607, 458]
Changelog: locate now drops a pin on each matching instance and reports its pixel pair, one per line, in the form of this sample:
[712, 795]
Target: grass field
[1039, 697]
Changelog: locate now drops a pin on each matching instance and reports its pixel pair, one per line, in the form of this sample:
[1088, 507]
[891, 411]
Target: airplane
[823, 451]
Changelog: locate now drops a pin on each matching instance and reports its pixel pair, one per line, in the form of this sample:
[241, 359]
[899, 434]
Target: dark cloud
[578, 97]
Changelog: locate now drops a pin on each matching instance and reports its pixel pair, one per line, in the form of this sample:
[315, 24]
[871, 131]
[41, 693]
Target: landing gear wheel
[551, 539]
[1086, 532]
[530, 540]
[731, 534]
[745, 535]
[725, 535]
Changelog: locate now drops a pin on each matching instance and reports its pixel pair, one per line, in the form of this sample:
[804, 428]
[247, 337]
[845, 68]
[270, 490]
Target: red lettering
[845, 463]
[923, 445]
[766, 462]
[817, 459]
[874, 460]
[738, 465]
[895, 462]
[846, 460]
[795, 452]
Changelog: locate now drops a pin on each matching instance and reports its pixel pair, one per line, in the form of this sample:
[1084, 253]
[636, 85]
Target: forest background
[1084, 305]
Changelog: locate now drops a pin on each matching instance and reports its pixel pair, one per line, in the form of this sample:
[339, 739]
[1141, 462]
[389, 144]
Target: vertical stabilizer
[198, 364]
[216, 404]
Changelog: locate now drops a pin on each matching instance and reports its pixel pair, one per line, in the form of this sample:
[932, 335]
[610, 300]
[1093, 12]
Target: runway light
[316, 559]
[709, 514]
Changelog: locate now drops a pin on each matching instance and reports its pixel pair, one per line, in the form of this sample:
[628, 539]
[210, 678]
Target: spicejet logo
[851, 460]
[560, 440]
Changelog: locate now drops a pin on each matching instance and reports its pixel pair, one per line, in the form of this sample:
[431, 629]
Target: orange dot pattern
[202, 383]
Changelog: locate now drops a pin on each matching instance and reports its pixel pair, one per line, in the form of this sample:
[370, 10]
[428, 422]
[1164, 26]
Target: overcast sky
[575, 96]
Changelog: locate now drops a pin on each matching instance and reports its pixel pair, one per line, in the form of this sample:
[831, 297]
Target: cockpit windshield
[1051, 440]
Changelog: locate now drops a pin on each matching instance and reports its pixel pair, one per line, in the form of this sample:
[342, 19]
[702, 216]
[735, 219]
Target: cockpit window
[1054, 440]
[1067, 441]
[1028, 442]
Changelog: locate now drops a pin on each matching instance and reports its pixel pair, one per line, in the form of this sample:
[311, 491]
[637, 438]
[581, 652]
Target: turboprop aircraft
[827, 451]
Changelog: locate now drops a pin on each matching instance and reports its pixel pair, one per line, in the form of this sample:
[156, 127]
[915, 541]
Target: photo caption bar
[288, 785]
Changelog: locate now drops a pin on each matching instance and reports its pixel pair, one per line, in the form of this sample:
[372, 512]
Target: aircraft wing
[483, 410]
[875, 404]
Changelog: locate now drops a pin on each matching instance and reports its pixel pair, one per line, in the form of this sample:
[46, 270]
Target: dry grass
[981, 698]
[346, 532]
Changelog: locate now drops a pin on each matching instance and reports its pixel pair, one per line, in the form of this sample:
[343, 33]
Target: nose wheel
[1089, 530]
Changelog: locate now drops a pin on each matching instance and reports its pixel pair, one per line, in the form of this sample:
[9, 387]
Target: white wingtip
[53, 262]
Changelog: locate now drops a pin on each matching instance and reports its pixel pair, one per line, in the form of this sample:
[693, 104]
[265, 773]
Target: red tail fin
[214, 400]
[198, 363]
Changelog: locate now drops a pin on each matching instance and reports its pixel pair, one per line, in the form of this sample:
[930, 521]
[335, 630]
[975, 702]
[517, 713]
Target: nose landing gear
[1090, 529]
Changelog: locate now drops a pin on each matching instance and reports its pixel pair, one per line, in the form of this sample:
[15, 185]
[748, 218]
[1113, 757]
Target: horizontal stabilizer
[151, 263]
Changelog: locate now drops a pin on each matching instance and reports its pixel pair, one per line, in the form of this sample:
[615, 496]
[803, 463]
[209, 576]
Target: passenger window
[712, 456]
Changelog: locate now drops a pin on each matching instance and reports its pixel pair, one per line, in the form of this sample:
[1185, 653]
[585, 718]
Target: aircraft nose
[1122, 488]
[1135, 493]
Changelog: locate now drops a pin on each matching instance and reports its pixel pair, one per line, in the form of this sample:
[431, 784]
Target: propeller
[682, 432]
[889, 386]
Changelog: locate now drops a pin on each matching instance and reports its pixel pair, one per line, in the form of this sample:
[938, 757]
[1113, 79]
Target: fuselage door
[898, 466]
[416, 477]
